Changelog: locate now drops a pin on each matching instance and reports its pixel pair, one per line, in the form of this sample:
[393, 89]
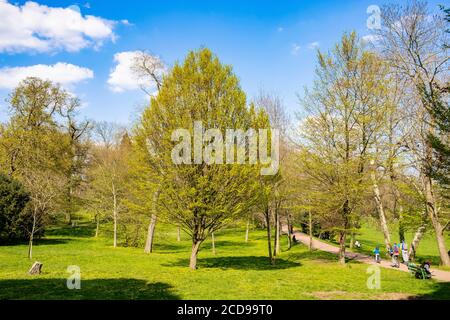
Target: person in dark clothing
[426, 266]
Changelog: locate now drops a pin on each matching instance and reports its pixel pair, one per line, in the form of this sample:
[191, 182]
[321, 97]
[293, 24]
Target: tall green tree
[36, 147]
[414, 42]
[143, 194]
[200, 196]
[345, 113]
[437, 101]
[108, 173]
[273, 107]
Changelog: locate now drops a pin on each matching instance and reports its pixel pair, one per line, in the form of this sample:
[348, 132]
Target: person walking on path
[377, 255]
[405, 255]
[395, 255]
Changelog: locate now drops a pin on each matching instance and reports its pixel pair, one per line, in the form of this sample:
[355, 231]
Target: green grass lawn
[239, 270]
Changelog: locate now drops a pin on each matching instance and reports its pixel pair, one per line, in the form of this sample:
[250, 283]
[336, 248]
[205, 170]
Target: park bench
[418, 271]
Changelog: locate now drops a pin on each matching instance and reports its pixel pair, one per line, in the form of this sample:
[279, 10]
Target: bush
[13, 200]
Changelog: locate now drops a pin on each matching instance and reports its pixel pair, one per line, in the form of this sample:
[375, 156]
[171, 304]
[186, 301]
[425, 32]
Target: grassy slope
[238, 271]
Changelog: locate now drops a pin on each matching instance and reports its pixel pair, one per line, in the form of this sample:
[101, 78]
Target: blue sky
[270, 44]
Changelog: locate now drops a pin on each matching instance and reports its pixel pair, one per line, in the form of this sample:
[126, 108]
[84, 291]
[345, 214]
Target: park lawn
[239, 270]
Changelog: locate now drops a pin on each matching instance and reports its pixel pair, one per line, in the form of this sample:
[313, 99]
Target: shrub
[13, 200]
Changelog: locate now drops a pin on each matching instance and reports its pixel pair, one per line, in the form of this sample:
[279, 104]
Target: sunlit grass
[239, 270]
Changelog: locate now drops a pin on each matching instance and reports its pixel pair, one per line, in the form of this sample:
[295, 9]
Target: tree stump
[36, 268]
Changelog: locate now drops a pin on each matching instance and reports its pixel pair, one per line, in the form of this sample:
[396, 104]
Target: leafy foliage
[13, 200]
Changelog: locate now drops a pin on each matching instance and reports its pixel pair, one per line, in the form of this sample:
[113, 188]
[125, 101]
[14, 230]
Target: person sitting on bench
[426, 266]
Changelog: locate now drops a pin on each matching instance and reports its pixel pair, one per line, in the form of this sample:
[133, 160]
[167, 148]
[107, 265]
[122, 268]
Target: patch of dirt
[342, 295]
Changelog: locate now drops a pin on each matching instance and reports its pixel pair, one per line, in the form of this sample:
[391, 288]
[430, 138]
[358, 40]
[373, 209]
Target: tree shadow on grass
[37, 242]
[95, 289]
[441, 291]
[80, 231]
[237, 263]
[322, 256]
[50, 242]
[226, 243]
[163, 248]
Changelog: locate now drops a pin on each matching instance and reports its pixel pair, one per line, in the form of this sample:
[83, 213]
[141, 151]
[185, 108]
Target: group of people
[394, 251]
[401, 249]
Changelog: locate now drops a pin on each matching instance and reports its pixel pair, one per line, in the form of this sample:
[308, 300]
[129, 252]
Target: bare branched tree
[149, 70]
[413, 41]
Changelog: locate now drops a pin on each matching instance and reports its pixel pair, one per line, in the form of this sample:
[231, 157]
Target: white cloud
[280, 29]
[126, 22]
[39, 28]
[313, 45]
[295, 49]
[63, 73]
[75, 8]
[122, 78]
[371, 38]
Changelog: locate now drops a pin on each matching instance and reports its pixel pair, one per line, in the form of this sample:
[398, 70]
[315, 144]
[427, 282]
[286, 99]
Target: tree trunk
[69, 207]
[269, 237]
[381, 213]
[401, 225]
[343, 233]
[310, 227]
[213, 240]
[195, 248]
[342, 239]
[438, 229]
[151, 228]
[247, 231]
[115, 218]
[98, 225]
[179, 233]
[289, 235]
[30, 248]
[415, 242]
[352, 240]
[68, 218]
[276, 248]
[150, 235]
[33, 230]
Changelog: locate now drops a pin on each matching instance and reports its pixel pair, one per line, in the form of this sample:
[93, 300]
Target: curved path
[319, 245]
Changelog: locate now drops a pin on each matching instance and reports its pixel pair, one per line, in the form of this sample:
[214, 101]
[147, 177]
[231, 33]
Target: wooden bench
[418, 272]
